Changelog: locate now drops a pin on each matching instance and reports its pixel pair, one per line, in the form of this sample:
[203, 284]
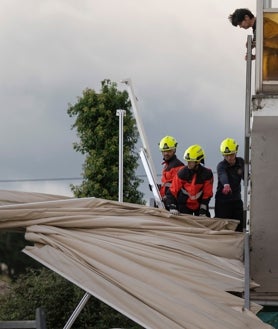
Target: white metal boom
[145, 153]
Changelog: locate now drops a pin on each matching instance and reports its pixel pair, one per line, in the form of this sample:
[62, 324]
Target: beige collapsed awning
[162, 271]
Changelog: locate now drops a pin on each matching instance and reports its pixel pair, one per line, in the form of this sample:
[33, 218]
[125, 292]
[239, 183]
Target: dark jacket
[232, 175]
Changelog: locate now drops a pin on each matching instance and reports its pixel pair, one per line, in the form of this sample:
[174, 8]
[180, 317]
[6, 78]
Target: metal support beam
[247, 271]
[259, 47]
[147, 159]
[246, 173]
[267, 3]
[155, 190]
[140, 125]
[77, 311]
[247, 129]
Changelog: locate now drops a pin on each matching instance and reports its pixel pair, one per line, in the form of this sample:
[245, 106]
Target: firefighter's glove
[203, 210]
[226, 189]
[173, 209]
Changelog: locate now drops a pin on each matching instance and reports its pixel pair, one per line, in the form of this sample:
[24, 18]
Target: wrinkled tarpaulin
[160, 270]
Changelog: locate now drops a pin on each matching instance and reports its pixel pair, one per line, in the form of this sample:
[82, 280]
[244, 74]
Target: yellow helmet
[228, 146]
[167, 143]
[194, 153]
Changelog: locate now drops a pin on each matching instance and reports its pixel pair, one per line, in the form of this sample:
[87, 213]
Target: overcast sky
[185, 60]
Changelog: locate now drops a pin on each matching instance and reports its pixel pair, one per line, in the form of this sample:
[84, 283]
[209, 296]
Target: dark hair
[238, 16]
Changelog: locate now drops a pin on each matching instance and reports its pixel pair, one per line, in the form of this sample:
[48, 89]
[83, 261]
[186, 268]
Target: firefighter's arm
[171, 195]
[223, 178]
[222, 174]
[207, 194]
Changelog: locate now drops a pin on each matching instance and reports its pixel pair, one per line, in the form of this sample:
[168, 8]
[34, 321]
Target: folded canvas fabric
[160, 270]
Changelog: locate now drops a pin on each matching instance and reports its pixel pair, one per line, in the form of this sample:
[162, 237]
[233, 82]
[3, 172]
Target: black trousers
[231, 210]
[185, 210]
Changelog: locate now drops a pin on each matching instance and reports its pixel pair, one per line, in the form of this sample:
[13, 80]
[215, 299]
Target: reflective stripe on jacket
[197, 186]
[169, 171]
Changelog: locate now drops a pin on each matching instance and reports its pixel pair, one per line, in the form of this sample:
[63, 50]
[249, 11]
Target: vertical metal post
[267, 3]
[259, 46]
[246, 173]
[40, 318]
[247, 128]
[121, 114]
[246, 271]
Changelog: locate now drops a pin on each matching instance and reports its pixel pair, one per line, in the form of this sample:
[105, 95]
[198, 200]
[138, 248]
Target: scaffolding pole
[246, 173]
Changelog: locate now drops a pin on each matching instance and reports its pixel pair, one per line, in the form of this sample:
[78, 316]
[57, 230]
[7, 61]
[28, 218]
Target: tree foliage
[97, 127]
[59, 298]
[98, 131]
[11, 245]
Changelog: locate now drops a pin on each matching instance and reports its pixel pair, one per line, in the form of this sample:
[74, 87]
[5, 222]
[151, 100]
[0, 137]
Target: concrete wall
[264, 196]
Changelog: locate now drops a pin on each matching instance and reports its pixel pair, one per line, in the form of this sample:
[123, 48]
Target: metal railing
[38, 323]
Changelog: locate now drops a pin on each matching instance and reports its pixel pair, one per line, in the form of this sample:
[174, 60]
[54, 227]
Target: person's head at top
[168, 146]
[194, 155]
[243, 18]
[229, 148]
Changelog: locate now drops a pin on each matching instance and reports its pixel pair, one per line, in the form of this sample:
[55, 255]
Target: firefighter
[171, 163]
[230, 172]
[192, 186]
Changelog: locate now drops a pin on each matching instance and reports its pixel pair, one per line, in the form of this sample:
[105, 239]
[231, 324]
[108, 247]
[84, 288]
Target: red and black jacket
[191, 188]
[170, 169]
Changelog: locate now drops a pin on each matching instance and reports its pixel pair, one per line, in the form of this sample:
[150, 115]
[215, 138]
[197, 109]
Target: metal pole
[146, 155]
[259, 48]
[76, 312]
[140, 126]
[246, 271]
[267, 3]
[246, 174]
[247, 128]
[121, 114]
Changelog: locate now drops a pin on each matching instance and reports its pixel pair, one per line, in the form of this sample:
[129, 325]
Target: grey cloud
[185, 60]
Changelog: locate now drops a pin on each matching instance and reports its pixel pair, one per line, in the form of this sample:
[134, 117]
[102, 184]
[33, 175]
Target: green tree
[11, 245]
[98, 131]
[59, 298]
